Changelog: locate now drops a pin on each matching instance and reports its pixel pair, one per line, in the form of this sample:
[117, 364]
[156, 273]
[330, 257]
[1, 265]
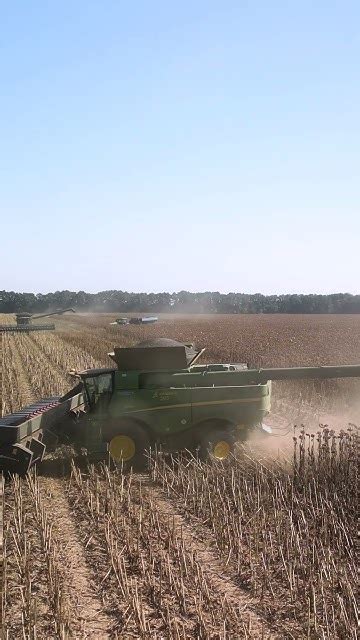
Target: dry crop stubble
[35, 366]
[254, 548]
[163, 586]
[259, 548]
[287, 530]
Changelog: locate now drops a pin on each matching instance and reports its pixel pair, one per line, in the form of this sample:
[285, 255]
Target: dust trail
[279, 444]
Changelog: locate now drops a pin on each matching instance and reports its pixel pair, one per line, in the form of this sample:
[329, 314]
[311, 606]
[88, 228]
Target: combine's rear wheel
[216, 443]
[129, 444]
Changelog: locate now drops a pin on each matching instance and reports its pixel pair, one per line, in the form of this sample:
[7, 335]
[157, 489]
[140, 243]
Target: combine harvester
[23, 322]
[157, 395]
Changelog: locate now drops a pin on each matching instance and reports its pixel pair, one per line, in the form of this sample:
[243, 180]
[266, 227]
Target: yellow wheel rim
[221, 450]
[122, 448]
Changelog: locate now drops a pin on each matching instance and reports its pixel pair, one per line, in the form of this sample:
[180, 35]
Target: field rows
[101, 554]
[260, 547]
[37, 365]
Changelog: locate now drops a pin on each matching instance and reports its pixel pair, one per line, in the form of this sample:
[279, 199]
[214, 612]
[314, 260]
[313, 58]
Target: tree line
[181, 302]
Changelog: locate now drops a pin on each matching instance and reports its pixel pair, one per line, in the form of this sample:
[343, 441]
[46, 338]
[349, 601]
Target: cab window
[99, 388]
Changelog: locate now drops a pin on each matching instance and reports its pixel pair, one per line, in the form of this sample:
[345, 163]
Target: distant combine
[24, 321]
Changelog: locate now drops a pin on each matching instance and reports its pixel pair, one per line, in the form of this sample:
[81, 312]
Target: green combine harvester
[24, 322]
[157, 395]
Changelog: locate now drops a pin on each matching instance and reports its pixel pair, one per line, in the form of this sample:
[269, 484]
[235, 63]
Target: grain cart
[143, 320]
[136, 320]
[24, 322]
[157, 394]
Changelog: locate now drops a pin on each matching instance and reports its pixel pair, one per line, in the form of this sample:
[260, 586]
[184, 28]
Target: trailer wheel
[129, 445]
[217, 443]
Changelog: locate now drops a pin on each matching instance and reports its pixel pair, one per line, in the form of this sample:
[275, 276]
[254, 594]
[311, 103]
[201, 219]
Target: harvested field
[262, 546]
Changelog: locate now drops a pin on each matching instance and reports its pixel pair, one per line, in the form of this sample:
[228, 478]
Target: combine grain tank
[158, 395]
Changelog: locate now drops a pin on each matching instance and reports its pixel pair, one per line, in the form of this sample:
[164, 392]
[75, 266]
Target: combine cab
[24, 322]
[158, 394]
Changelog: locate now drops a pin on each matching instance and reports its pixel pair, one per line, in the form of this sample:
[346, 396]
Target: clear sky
[160, 146]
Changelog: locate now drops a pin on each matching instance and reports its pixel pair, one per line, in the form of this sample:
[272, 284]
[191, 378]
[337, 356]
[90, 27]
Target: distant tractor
[121, 321]
[24, 321]
[136, 320]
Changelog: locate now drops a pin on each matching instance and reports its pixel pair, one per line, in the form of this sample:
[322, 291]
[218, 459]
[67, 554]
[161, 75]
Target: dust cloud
[279, 444]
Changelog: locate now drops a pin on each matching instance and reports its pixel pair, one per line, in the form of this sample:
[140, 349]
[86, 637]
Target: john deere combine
[24, 322]
[157, 394]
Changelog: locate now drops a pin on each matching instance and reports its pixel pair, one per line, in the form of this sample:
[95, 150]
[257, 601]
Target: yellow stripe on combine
[197, 404]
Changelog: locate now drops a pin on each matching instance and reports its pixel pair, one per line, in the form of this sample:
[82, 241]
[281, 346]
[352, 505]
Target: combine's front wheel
[129, 444]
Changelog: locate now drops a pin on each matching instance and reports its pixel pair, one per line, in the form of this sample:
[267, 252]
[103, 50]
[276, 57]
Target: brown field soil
[260, 548]
[262, 340]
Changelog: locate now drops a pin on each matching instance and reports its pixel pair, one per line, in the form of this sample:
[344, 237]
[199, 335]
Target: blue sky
[155, 146]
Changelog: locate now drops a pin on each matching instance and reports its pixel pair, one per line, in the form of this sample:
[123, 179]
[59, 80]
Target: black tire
[128, 444]
[212, 444]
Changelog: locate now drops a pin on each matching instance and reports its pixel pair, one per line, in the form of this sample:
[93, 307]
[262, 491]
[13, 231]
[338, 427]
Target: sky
[166, 146]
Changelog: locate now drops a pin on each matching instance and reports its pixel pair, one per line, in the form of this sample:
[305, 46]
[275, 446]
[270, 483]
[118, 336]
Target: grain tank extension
[158, 394]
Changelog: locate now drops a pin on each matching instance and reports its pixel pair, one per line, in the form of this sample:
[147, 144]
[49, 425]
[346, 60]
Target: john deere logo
[164, 395]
